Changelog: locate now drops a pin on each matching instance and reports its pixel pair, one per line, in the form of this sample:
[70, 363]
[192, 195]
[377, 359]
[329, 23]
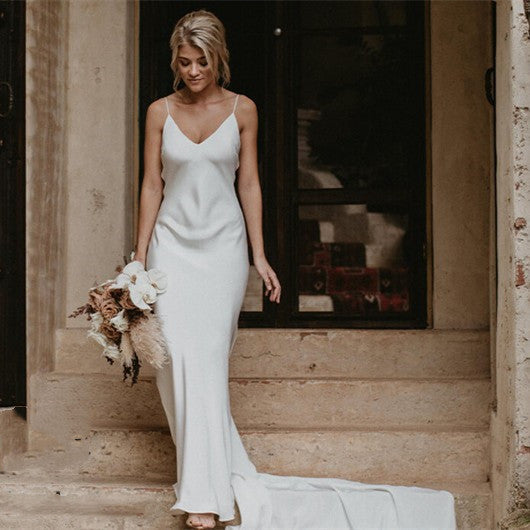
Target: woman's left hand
[272, 285]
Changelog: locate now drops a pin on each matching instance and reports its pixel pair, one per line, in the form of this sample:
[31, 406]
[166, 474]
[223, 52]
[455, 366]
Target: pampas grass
[147, 339]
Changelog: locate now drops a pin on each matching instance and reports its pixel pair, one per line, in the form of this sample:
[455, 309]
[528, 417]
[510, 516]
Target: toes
[194, 523]
[200, 522]
[207, 521]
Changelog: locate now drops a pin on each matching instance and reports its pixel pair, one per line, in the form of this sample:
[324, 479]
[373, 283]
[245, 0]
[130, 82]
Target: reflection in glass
[352, 260]
[356, 96]
[253, 300]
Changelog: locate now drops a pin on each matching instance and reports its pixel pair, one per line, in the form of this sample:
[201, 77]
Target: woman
[192, 227]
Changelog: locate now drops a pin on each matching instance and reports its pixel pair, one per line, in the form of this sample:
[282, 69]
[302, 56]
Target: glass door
[355, 166]
[340, 91]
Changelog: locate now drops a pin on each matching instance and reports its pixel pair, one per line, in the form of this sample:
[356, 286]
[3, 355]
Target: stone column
[461, 136]
[99, 145]
[46, 65]
[511, 412]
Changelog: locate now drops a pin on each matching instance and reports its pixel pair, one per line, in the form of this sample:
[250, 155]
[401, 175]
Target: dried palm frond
[133, 370]
[87, 308]
[148, 340]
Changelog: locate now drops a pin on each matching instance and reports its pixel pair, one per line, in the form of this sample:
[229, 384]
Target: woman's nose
[194, 69]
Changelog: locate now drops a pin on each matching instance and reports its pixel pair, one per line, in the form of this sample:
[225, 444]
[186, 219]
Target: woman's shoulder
[158, 106]
[156, 114]
[246, 105]
[243, 99]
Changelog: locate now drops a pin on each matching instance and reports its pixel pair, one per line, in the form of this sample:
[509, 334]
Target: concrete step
[95, 503]
[65, 404]
[50, 502]
[362, 354]
[384, 456]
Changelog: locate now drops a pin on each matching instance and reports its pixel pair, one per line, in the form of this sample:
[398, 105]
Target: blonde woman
[192, 226]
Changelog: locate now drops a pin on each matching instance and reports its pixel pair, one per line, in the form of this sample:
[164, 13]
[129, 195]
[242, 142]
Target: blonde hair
[203, 29]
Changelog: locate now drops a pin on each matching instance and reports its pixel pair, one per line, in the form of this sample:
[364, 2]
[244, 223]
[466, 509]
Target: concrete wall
[46, 177]
[462, 124]
[511, 417]
[100, 145]
[13, 433]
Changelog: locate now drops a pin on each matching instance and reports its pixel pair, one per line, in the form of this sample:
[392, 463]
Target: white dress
[199, 240]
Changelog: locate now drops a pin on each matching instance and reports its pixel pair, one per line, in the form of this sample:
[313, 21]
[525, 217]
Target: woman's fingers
[272, 286]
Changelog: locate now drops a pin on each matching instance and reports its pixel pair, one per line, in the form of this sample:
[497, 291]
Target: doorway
[12, 205]
[340, 91]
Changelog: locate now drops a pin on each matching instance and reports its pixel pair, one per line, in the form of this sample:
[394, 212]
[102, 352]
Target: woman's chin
[196, 87]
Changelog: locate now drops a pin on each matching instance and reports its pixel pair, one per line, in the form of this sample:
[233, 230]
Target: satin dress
[199, 240]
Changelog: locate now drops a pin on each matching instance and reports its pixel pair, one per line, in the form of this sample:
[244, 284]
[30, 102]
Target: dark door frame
[13, 204]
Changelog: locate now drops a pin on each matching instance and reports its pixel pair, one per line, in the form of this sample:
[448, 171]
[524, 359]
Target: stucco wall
[46, 178]
[100, 100]
[462, 122]
[511, 418]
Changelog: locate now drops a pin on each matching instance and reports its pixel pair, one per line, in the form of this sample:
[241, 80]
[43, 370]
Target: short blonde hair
[203, 29]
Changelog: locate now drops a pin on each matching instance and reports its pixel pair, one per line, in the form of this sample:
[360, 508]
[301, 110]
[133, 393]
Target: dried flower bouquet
[122, 319]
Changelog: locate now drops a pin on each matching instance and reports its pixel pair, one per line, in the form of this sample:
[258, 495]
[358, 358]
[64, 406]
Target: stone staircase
[381, 406]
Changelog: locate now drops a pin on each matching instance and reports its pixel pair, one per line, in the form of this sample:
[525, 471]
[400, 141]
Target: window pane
[253, 300]
[352, 261]
[333, 15]
[357, 105]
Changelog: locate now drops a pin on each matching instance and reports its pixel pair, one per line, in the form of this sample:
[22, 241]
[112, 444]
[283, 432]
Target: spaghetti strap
[235, 103]
[167, 105]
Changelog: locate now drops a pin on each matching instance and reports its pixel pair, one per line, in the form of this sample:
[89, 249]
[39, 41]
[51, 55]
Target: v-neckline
[207, 138]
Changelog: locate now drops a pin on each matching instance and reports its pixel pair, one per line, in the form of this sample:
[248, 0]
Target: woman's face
[194, 68]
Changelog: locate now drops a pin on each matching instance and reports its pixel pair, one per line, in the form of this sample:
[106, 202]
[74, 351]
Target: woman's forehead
[187, 51]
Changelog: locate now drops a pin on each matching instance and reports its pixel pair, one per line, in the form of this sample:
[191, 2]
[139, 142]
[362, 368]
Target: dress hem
[184, 510]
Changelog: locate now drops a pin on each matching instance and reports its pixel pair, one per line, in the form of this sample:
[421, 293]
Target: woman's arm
[249, 190]
[152, 185]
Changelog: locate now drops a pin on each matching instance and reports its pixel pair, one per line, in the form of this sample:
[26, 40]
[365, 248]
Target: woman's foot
[201, 520]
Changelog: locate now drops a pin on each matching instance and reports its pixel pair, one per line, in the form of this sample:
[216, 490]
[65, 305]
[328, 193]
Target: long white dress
[199, 240]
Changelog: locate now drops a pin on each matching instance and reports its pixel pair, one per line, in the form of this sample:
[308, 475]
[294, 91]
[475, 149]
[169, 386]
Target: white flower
[98, 337]
[158, 280]
[120, 321]
[142, 294]
[96, 319]
[143, 286]
[133, 267]
[133, 272]
[112, 351]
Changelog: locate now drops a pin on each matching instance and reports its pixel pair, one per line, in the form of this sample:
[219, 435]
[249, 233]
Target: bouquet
[122, 320]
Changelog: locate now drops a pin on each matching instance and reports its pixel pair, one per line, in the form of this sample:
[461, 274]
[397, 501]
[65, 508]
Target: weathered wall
[100, 100]
[46, 179]
[462, 121]
[511, 419]
[100, 153]
[13, 433]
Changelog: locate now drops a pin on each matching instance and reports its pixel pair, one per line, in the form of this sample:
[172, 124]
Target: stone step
[95, 503]
[362, 354]
[30, 502]
[63, 404]
[385, 456]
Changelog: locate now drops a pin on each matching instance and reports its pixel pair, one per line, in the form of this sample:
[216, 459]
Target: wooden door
[12, 205]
